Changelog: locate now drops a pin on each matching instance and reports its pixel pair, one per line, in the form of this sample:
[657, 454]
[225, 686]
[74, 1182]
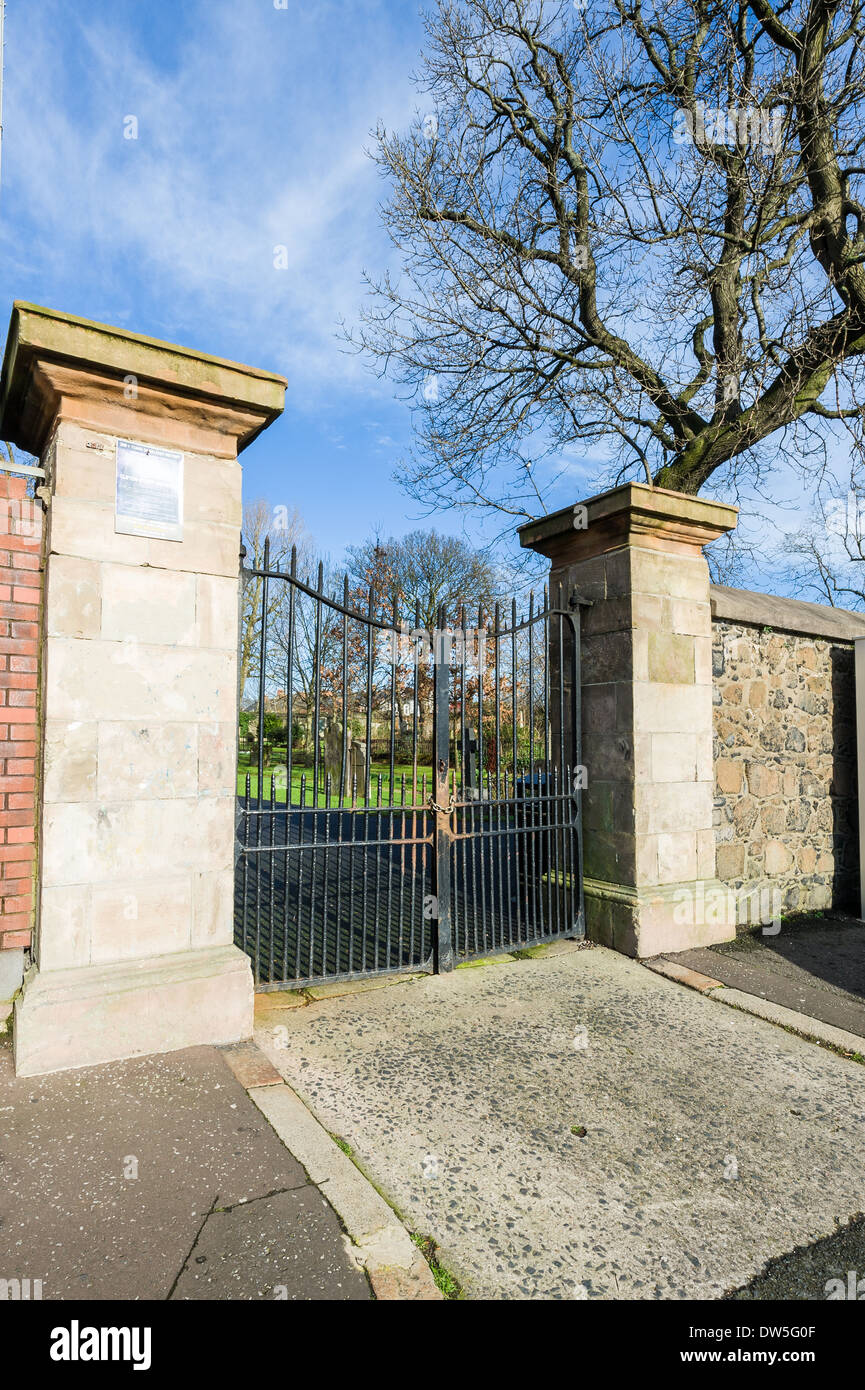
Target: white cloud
[252, 124]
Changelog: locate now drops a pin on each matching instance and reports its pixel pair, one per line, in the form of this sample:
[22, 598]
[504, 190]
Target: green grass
[378, 769]
[445, 1281]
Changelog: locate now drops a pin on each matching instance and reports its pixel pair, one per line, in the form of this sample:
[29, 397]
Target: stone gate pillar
[138, 687]
[646, 676]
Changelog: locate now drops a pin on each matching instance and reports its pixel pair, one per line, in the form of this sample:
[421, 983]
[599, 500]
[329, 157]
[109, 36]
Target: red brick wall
[20, 597]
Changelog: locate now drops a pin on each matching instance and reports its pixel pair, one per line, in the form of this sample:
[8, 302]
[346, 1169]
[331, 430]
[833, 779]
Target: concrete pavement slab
[286, 1246]
[579, 1127]
[814, 966]
[395, 1265]
[108, 1176]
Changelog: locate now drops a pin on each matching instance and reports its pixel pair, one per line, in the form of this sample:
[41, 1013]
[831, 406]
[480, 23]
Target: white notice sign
[149, 496]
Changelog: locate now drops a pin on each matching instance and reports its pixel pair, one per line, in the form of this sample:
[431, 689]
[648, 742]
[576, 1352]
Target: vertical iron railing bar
[413, 850]
[325, 865]
[246, 819]
[338, 850]
[389, 907]
[377, 933]
[495, 845]
[369, 674]
[578, 757]
[316, 676]
[508, 838]
[483, 851]
[514, 684]
[271, 883]
[561, 681]
[286, 887]
[262, 661]
[416, 660]
[529, 828]
[496, 875]
[366, 821]
[547, 655]
[480, 708]
[351, 856]
[258, 859]
[289, 681]
[343, 762]
[443, 951]
[402, 848]
[562, 658]
[313, 884]
[428, 868]
[498, 705]
[461, 815]
[463, 667]
[531, 683]
[393, 675]
[556, 821]
[301, 855]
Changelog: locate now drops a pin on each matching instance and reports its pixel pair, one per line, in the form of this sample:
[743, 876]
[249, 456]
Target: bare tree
[634, 230]
[823, 559]
[428, 570]
[283, 529]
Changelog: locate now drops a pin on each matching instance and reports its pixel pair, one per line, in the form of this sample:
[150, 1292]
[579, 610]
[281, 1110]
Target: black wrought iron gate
[409, 794]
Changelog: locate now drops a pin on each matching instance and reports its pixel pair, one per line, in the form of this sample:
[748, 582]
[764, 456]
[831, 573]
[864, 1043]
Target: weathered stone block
[139, 761]
[728, 775]
[64, 927]
[664, 708]
[73, 597]
[217, 760]
[148, 605]
[137, 918]
[147, 682]
[670, 658]
[212, 490]
[213, 908]
[762, 780]
[665, 808]
[111, 841]
[69, 760]
[674, 758]
[677, 857]
[777, 858]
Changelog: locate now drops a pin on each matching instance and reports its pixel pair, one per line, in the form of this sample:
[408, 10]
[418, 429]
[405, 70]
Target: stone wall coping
[790, 615]
[632, 514]
[40, 337]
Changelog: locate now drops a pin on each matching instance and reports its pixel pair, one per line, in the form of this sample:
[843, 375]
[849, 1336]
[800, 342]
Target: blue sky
[253, 124]
[252, 127]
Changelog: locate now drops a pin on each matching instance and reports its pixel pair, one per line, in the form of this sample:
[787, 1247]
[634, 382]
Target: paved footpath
[814, 966]
[575, 1126]
[159, 1178]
